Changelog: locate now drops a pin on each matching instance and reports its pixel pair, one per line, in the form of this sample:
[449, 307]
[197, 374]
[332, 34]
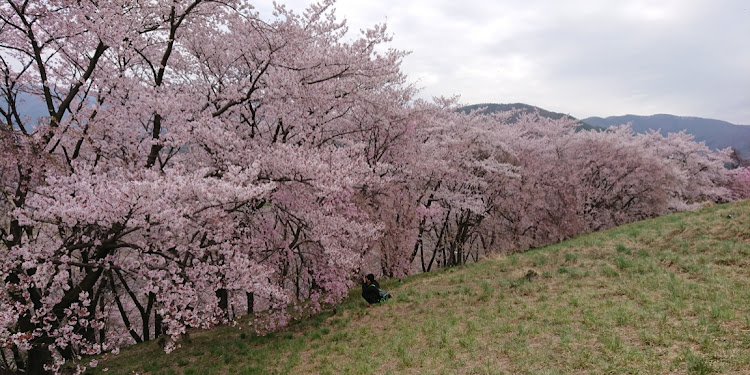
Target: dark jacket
[371, 292]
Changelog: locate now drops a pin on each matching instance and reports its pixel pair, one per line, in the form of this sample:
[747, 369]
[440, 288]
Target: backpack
[384, 295]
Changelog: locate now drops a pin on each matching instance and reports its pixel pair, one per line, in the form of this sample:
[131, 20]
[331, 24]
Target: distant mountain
[524, 108]
[716, 133]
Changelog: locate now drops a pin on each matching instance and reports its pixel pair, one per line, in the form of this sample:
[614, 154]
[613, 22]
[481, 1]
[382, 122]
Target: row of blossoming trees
[195, 160]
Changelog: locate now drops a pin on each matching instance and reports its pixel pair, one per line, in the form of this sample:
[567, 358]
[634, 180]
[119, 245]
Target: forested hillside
[521, 108]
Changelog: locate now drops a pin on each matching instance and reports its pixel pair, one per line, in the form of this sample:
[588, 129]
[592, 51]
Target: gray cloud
[583, 57]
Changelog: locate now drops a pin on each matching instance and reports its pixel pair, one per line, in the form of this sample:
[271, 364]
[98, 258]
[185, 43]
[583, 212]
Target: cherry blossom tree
[570, 182]
[740, 185]
[701, 173]
[193, 157]
[619, 179]
[476, 176]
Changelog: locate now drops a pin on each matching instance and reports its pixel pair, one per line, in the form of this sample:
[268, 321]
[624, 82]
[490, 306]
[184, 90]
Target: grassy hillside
[669, 295]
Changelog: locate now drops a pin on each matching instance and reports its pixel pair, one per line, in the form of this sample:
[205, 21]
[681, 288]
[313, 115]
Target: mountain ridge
[523, 108]
[717, 134]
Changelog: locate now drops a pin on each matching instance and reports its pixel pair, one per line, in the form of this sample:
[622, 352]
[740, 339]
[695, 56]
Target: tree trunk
[158, 330]
[250, 302]
[39, 355]
[223, 296]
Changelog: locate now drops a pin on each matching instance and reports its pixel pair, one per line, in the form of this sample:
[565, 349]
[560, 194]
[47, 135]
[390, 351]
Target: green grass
[668, 295]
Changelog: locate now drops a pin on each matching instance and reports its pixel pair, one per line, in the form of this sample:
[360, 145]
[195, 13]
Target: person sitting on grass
[371, 291]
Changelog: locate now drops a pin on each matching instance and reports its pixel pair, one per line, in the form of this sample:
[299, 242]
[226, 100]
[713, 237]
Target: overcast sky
[580, 57]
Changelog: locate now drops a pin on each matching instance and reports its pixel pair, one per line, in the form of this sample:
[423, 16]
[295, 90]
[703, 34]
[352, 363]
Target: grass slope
[668, 295]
